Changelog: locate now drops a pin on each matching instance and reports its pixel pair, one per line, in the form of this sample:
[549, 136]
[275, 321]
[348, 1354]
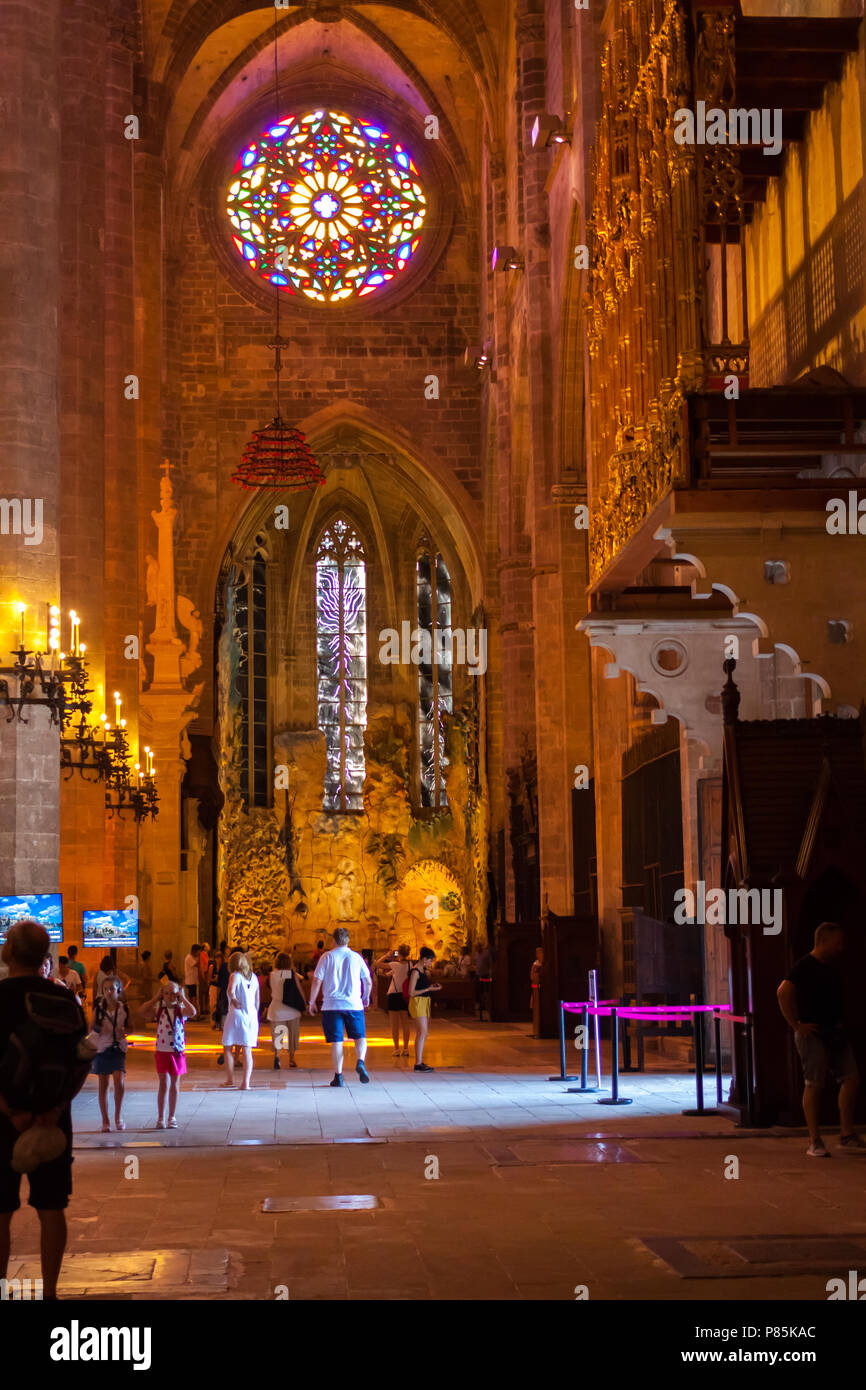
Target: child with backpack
[108, 1034]
[169, 1008]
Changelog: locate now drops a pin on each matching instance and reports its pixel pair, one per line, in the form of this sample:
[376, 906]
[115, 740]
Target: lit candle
[73, 631]
[22, 609]
[138, 770]
[117, 703]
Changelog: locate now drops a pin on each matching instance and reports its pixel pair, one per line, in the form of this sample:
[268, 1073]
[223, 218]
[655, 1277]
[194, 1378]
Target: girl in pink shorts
[169, 1008]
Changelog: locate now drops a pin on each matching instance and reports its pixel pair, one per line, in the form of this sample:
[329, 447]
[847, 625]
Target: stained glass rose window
[326, 206]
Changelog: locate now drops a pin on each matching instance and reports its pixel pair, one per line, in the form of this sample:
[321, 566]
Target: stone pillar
[556, 699]
[29, 432]
[166, 708]
[82, 430]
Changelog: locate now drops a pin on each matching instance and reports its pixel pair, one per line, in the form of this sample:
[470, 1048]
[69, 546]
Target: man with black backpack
[43, 1063]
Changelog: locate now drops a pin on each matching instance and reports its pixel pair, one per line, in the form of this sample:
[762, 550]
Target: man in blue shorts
[346, 986]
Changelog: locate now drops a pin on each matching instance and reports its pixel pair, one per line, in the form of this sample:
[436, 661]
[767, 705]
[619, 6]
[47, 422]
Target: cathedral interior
[433, 442]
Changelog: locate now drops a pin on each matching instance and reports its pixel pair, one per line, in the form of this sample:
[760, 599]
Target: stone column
[166, 708]
[29, 426]
[557, 701]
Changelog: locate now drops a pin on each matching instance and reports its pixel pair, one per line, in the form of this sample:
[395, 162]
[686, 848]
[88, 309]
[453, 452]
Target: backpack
[292, 996]
[405, 984]
[43, 1066]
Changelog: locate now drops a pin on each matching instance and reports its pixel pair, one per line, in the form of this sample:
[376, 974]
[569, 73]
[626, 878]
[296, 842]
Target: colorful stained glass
[435, 678]
[326, 206]
[341, 611]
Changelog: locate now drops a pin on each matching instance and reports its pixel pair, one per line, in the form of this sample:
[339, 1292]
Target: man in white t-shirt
[190, 972]
[346, 985]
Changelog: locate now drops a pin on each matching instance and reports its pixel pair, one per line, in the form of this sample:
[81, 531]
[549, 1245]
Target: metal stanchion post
[698, 1029]
[584, 1057]
[563, 1075]
[614, 1098]
[717, 1043]
[750, 1076]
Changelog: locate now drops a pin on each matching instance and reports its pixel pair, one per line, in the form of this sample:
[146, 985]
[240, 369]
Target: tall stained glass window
[326, 206]
[250, 618]
[341, 607]
[435, 678]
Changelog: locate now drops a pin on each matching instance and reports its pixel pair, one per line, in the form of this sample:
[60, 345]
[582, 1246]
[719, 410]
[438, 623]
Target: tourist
[241, 1028]
[264, 977]
[167, 971]
[24, 953]
[106, 967]
[190, 972]
[108, 1031]
[482, 981]
[811, 998]
[75, 964]
[535, 974]
[203, 980]
[318, 953]
[285, 1008]
[346, 985]
[222, 995]
[420, 989]
[395, 965]
[169, 1008]
[67, 976]
[216, 961]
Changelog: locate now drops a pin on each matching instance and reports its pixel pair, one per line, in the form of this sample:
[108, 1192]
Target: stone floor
[481, 1180]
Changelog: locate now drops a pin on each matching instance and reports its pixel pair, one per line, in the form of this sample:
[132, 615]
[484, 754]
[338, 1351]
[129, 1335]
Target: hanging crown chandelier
[278, 457]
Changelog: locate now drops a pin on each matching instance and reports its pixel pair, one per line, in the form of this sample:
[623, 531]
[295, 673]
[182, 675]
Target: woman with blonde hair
[241, 1028]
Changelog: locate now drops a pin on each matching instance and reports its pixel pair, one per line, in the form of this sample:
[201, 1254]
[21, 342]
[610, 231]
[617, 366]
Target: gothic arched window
[435, 676]
[251, 626]
[341, 647]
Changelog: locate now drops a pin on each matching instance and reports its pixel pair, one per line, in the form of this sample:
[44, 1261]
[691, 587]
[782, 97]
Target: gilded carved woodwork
[645, 289]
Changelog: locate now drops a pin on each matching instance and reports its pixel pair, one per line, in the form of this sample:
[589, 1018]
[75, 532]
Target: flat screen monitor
[107, 928]
[44, 908]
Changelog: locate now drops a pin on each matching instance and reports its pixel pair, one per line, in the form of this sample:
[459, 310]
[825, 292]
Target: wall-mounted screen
[44, 908]
[109, 928]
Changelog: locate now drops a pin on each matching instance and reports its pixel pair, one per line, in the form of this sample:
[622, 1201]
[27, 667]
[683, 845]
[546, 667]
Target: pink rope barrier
[646, 1011]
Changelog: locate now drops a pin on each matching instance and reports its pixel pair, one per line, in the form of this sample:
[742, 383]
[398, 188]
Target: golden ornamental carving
[640, 474]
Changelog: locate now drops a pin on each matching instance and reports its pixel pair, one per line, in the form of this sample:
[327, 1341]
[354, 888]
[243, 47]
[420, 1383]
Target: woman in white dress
[285, 1020]
[241, 1028]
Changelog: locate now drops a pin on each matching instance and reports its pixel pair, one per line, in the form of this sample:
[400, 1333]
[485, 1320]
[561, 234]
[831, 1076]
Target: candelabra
[62, 689]
[97, 752]
[55, 681]
[138, 796]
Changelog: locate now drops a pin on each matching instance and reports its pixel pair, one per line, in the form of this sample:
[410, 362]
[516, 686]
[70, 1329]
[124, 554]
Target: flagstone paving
[485, 1182]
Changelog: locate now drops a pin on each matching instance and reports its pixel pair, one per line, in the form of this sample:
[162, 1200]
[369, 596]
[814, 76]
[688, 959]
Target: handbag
[292, 996]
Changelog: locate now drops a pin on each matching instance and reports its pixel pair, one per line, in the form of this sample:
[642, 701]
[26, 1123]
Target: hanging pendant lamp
[278, 457]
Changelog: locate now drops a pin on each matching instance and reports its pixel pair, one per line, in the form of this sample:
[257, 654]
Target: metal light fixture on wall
[49, 679]
[130, 790]
[549, 130]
